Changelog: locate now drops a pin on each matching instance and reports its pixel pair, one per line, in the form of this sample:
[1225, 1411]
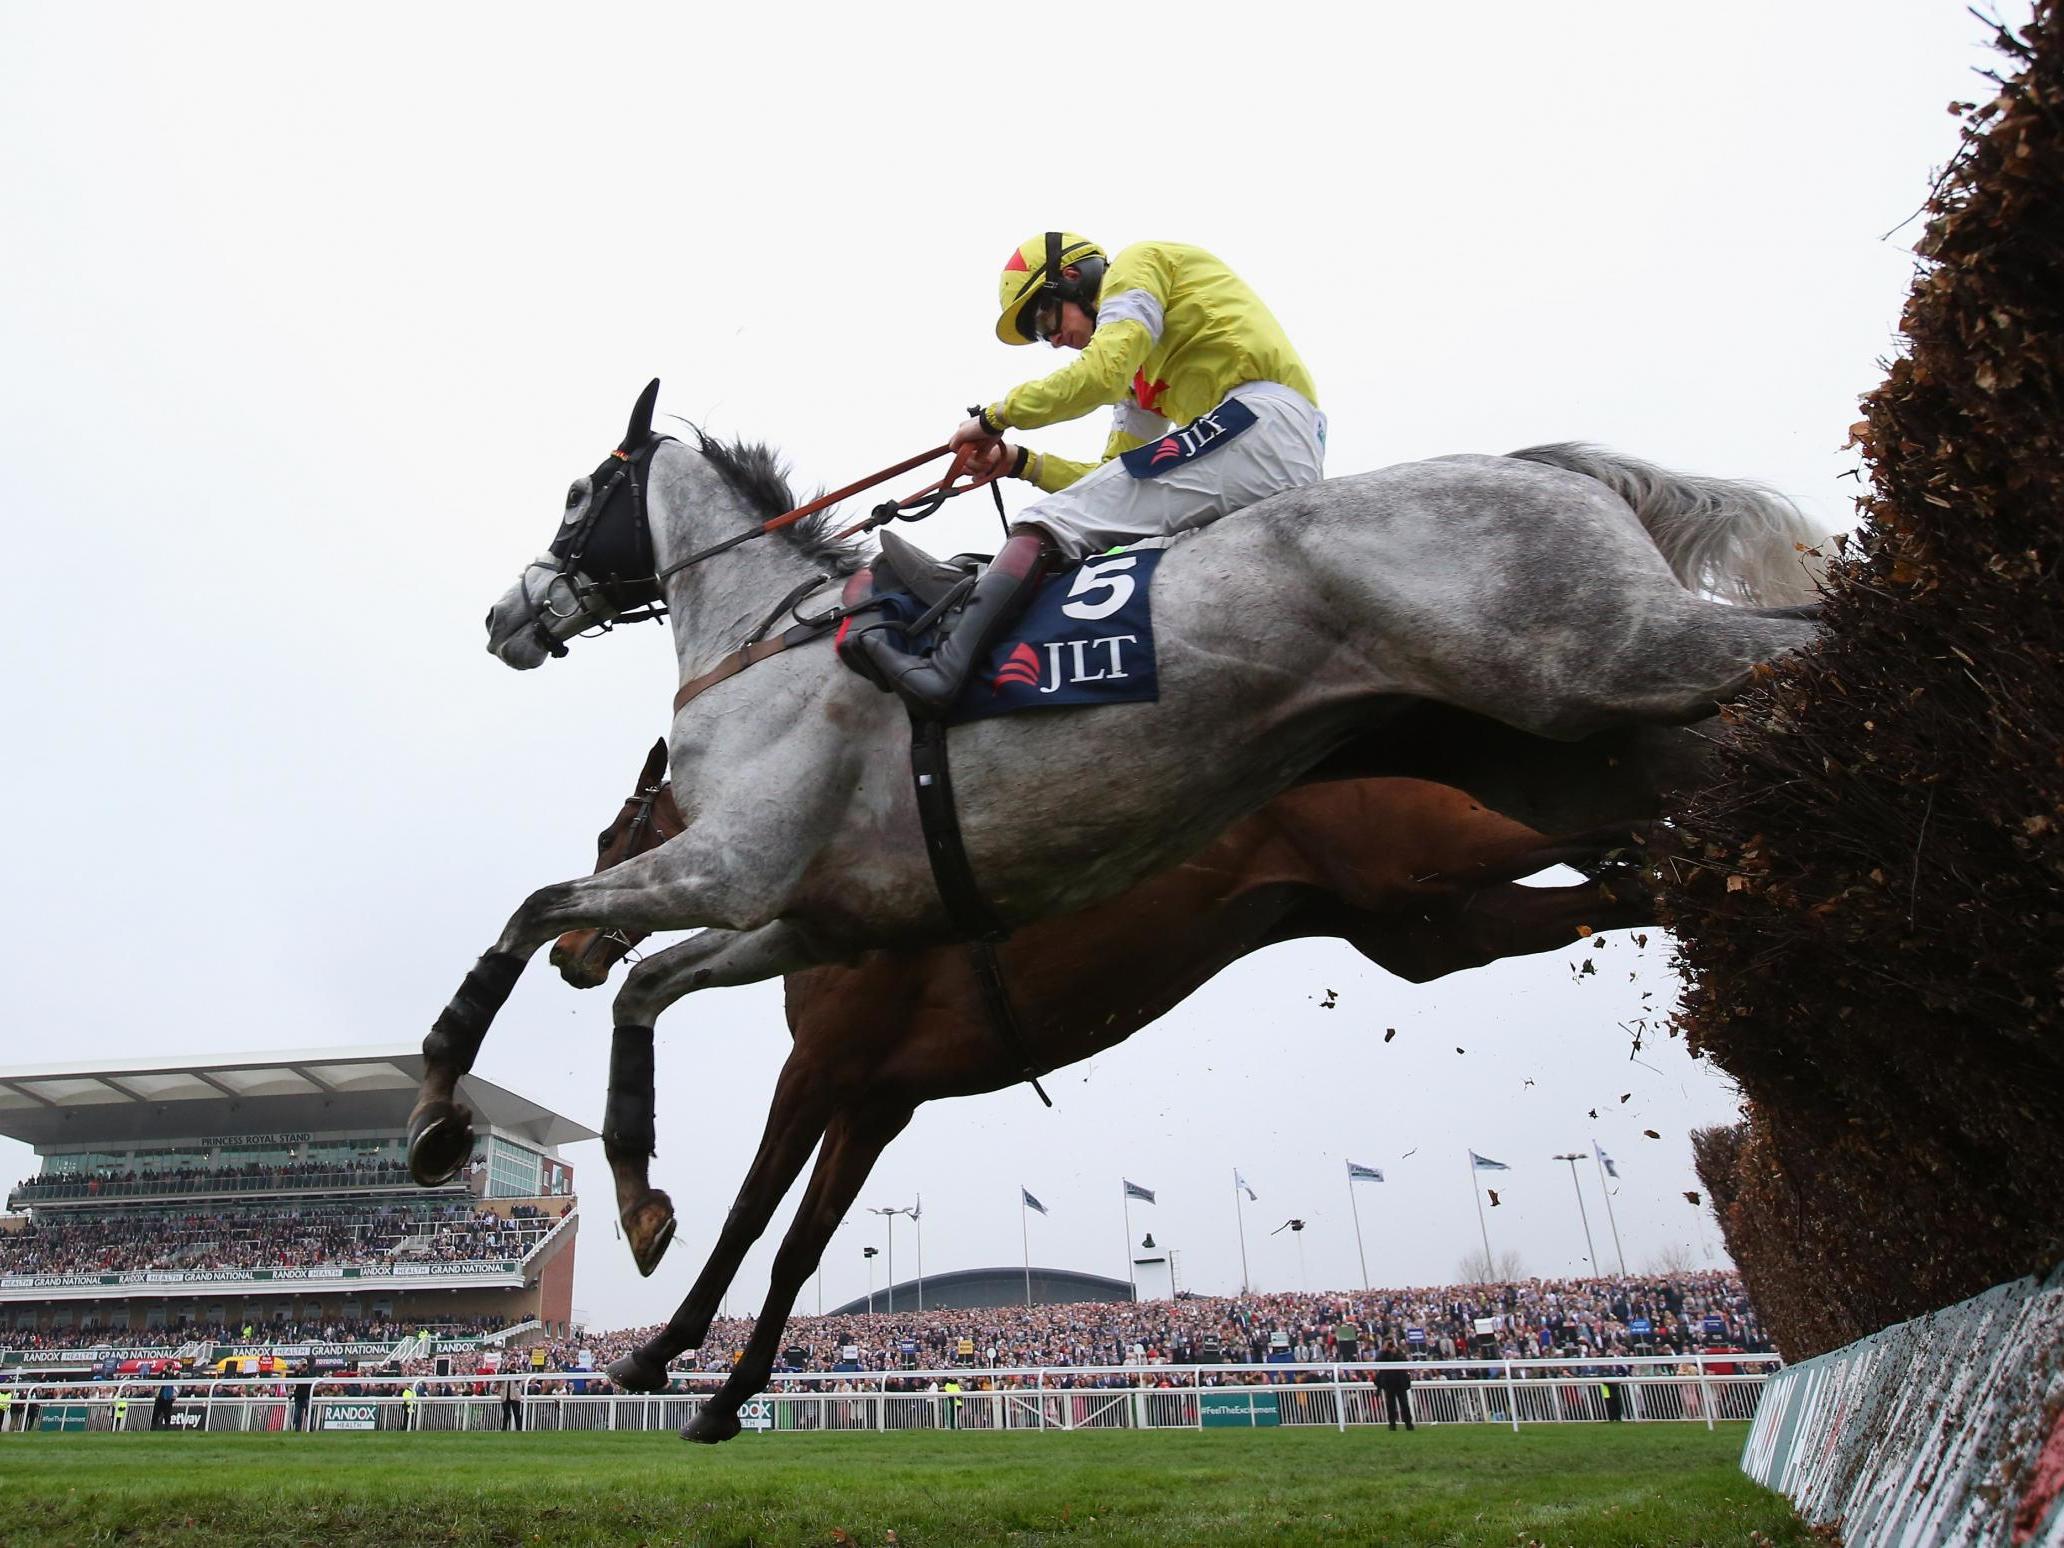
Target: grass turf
[1592, 1486]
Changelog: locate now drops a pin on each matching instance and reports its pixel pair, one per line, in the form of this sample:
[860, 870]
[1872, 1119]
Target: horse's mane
[755, 473]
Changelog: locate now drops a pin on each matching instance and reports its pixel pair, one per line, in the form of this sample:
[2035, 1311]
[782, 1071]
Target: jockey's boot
[933, 682]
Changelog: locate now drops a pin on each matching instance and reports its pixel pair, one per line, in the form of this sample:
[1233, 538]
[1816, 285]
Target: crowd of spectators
[1528, 1319]
[1579, 1319]
[261, 1236]
[363, 1171]
[326, 1330]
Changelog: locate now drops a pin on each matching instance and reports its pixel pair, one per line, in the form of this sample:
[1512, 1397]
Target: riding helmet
[1033, 274]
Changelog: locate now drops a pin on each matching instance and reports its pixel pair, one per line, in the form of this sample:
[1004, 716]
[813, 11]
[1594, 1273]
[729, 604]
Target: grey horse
[1559, 592]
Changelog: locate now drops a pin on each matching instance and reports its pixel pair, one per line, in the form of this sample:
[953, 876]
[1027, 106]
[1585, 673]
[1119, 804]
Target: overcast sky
[306, 321]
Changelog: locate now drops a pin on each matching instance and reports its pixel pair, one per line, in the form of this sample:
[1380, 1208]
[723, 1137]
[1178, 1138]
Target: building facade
[266, 1199]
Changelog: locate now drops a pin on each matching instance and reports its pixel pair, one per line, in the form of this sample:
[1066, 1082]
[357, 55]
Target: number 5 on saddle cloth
[1086, 639]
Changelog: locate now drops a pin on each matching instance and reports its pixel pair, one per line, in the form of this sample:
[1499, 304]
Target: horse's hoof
[440, 1143]
[711, 1426]
[635, 1373]
[648, 1241]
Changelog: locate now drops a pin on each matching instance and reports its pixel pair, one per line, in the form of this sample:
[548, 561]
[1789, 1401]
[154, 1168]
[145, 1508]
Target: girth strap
[743, 657]
[967, 911]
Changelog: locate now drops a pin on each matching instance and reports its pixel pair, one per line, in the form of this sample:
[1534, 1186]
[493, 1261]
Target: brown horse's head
[648, 819]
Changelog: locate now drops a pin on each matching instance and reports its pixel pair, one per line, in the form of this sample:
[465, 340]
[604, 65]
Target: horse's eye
[573, 496]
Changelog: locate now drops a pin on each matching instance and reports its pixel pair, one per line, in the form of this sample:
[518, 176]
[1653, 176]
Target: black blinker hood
[612, 542]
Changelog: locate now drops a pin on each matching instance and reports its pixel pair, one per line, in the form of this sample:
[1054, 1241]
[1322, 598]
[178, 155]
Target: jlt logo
[1188, 441]
[1067, 663]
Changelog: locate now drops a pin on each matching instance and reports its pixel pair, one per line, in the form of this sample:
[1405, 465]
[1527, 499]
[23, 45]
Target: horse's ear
[655, 763]
[641, 417]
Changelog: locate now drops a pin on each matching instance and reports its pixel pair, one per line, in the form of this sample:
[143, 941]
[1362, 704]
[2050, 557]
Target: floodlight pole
[916, 1214]
[889, 1229]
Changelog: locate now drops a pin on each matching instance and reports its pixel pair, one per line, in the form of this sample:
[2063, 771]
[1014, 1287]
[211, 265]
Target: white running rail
[1508, 1393]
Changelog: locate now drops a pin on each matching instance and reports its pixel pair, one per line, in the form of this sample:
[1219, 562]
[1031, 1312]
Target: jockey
[1212, 411]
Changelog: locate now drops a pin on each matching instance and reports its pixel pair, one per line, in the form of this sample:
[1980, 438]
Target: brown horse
[1420, 878]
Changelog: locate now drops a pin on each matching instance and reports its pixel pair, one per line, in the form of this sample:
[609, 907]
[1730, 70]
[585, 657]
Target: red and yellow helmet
[1034, 274]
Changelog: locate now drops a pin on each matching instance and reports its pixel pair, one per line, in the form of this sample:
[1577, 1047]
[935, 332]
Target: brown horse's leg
[852, 1143]
[795, 1123]
[628, 1141]
[1512, 921]
[1485, 924]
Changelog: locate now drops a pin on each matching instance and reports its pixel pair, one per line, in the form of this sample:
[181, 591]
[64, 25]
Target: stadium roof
[138, 1101]
[971, 1289]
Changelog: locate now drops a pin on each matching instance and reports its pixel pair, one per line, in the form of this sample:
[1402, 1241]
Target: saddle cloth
[1087, 638]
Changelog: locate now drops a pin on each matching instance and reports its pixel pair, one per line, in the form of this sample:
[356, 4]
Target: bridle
[606, 555]
[601, 556]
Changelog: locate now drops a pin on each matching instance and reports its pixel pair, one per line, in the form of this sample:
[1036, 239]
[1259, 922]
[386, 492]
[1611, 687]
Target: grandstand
[208, 1210]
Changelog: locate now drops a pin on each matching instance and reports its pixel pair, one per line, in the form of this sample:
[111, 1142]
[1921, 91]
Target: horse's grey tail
[1723, 537]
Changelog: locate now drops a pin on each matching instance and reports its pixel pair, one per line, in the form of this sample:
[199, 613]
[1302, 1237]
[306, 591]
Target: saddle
[903, 566]
[909, 587]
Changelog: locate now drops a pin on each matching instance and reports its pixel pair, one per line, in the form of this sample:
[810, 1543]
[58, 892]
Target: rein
[757, 647]
[789, 518]
[638, 600]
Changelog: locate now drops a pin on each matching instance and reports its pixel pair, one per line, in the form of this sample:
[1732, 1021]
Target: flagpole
[1025, 1235]
[1617, 1252]
[1477, 1194]
[1590, 1248]
[1125, 1195]
[1355, 1206]
[1240, 1215]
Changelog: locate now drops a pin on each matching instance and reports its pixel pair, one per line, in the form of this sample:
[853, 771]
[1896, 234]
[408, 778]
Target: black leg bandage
[456, 1035]
[627, 1120]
